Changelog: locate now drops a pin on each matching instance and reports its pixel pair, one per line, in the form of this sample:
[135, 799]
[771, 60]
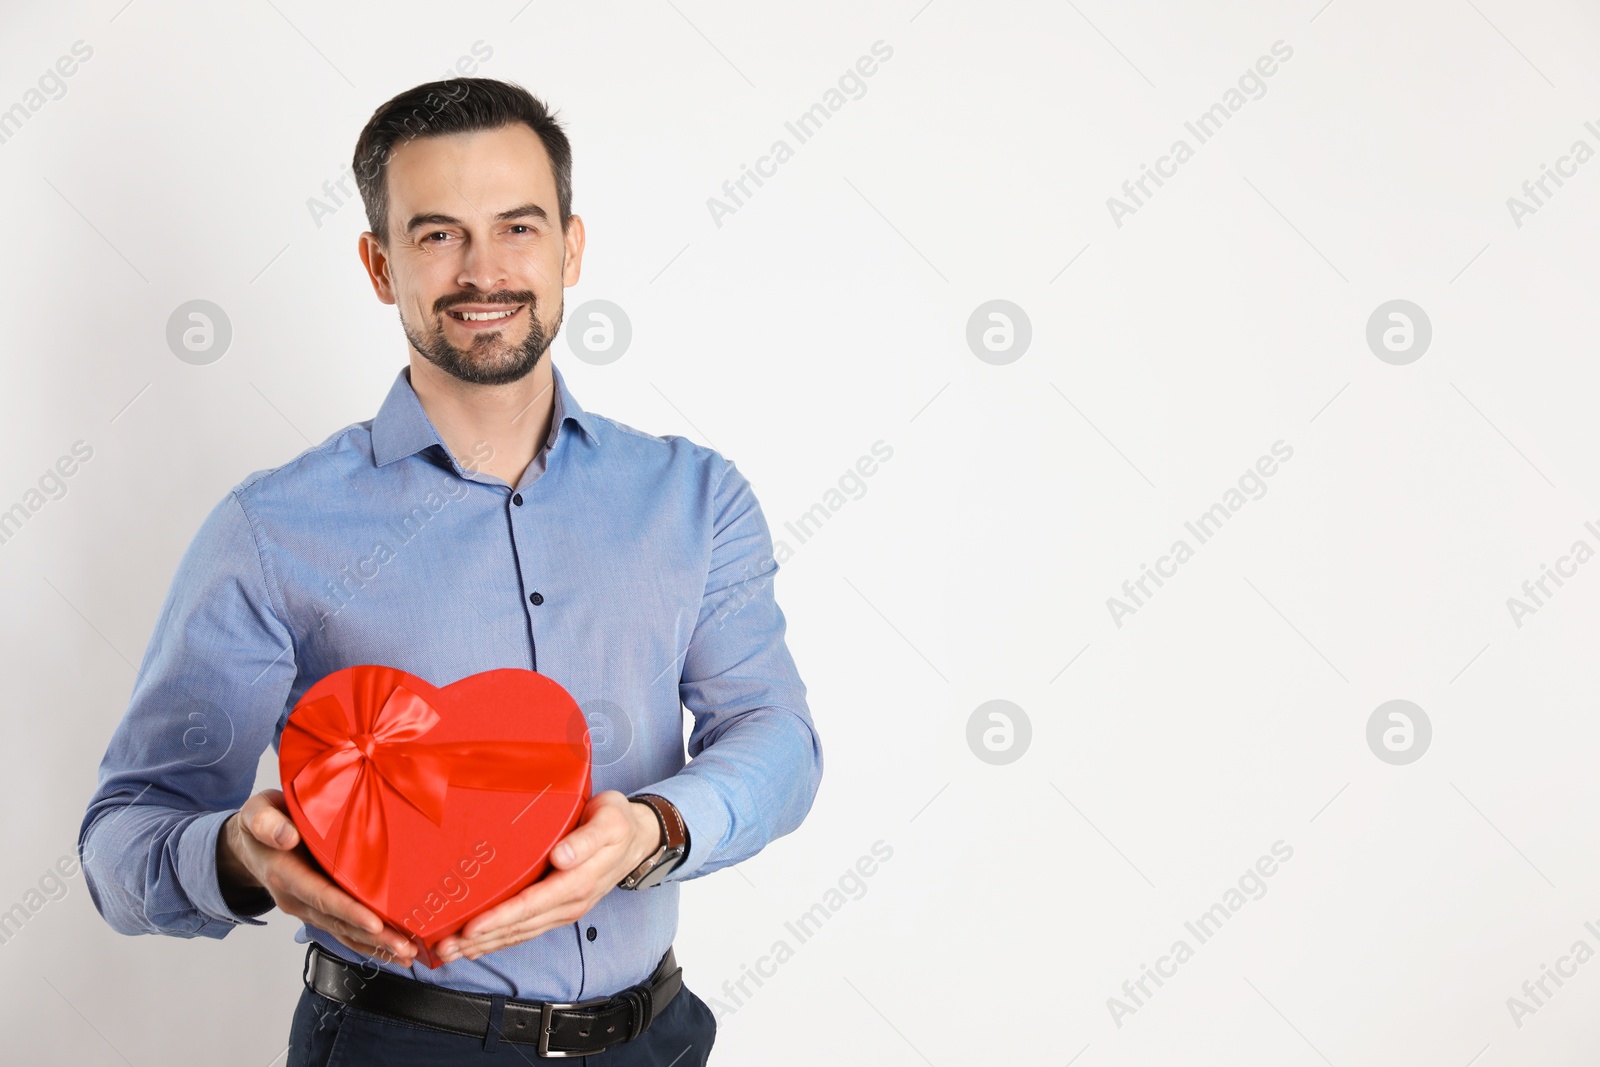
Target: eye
[435, 233]
[520, 226]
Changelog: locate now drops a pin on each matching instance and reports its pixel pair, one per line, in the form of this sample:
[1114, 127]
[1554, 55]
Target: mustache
[500, 296]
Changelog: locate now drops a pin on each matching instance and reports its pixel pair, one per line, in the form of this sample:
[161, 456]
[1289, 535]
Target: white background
[829, 312]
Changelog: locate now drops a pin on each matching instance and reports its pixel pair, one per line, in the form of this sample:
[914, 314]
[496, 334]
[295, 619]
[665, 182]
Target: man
[482, 519]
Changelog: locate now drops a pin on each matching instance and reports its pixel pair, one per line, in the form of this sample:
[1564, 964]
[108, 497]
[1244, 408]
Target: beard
[491, 360]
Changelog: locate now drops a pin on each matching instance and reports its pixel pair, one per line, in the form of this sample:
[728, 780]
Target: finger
[327, 896]
[357, 944]
[479, 936]
[300, 879]
[560, 912]
[514, 935]
[374, 953]
[386, 954]
[533, 901]
[389, 945]
[339, 928]
[386, 942]
[542, 905]
[557, 898]
[335, 910]
[557, 890]
[472, 947]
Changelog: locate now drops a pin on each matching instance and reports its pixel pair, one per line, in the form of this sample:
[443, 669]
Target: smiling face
[476, 260]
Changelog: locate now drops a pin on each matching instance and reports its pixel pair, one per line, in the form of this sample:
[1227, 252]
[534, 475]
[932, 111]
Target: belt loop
[648, 995]
[497, 1011]
[639, 1011]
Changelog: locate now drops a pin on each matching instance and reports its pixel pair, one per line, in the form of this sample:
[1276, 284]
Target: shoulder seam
[727, 469]
[656, 437]
[269, 577]
[625, 428]
[267, 472]
[715, 515]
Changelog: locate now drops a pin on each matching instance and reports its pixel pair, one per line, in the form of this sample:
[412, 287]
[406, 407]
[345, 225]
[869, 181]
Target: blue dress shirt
[633, 569]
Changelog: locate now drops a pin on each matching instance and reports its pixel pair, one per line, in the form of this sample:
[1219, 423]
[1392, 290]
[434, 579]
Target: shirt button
[591, 935]
[516, 499]
[536, 598]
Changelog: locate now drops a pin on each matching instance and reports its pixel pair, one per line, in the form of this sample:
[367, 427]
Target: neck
[494, 429]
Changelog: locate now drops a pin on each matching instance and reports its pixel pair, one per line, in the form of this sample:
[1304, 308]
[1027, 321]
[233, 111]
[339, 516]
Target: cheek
[419, 311]
[545, 273]
[424, 280]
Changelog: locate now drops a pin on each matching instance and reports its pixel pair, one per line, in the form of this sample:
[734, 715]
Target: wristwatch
[674, 844]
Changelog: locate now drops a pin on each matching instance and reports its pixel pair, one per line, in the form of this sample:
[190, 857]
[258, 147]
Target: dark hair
[459, 105]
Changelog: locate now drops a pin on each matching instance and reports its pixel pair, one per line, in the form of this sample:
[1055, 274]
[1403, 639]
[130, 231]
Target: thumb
[565, 853]
[271, 827]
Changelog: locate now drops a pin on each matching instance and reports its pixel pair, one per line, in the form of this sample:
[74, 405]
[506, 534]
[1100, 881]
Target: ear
[572, 266]
[376, 260]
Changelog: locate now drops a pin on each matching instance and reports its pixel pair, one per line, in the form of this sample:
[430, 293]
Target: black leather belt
[581, 1028]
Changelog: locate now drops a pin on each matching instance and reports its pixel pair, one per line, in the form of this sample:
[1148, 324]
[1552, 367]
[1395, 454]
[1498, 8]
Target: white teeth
[482, 316]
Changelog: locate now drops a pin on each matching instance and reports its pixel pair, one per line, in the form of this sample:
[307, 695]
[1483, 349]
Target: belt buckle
[548, 1009]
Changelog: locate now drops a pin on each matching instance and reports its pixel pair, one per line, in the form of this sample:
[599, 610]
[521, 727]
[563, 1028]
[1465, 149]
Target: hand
[259, 846]
[613, 836]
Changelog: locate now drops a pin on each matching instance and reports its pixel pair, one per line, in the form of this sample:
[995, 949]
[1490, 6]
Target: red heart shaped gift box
[432, 805]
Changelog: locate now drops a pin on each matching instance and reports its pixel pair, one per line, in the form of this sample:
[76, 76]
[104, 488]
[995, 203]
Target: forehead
[465, 174]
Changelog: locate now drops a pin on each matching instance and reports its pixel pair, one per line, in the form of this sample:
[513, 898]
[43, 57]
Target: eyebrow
[526, 211]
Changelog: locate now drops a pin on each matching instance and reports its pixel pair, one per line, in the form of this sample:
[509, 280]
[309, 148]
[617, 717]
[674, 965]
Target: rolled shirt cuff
[704, 814]
[197, 871]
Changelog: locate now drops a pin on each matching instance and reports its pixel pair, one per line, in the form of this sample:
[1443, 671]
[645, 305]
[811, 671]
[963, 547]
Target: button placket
[535, 597]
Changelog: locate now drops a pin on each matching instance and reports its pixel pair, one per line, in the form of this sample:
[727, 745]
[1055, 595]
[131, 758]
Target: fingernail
[284, 834]
[564, 853]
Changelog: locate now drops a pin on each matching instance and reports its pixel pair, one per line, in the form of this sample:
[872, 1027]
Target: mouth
[483, 317]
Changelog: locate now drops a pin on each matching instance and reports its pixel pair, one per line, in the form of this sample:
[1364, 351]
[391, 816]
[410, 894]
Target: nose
[484, 267]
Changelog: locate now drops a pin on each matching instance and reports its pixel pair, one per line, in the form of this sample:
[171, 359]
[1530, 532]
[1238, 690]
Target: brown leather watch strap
[675, 843]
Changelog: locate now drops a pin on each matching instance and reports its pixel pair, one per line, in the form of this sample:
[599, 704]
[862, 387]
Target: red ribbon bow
[372, 750]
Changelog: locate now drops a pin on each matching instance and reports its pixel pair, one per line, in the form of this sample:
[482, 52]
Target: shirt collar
[402, 428]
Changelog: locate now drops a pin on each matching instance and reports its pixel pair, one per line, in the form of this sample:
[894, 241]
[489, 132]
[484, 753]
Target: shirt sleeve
[756, 759]
[215, 678]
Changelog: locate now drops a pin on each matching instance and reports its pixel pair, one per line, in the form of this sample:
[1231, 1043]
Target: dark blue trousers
[326, 1033]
